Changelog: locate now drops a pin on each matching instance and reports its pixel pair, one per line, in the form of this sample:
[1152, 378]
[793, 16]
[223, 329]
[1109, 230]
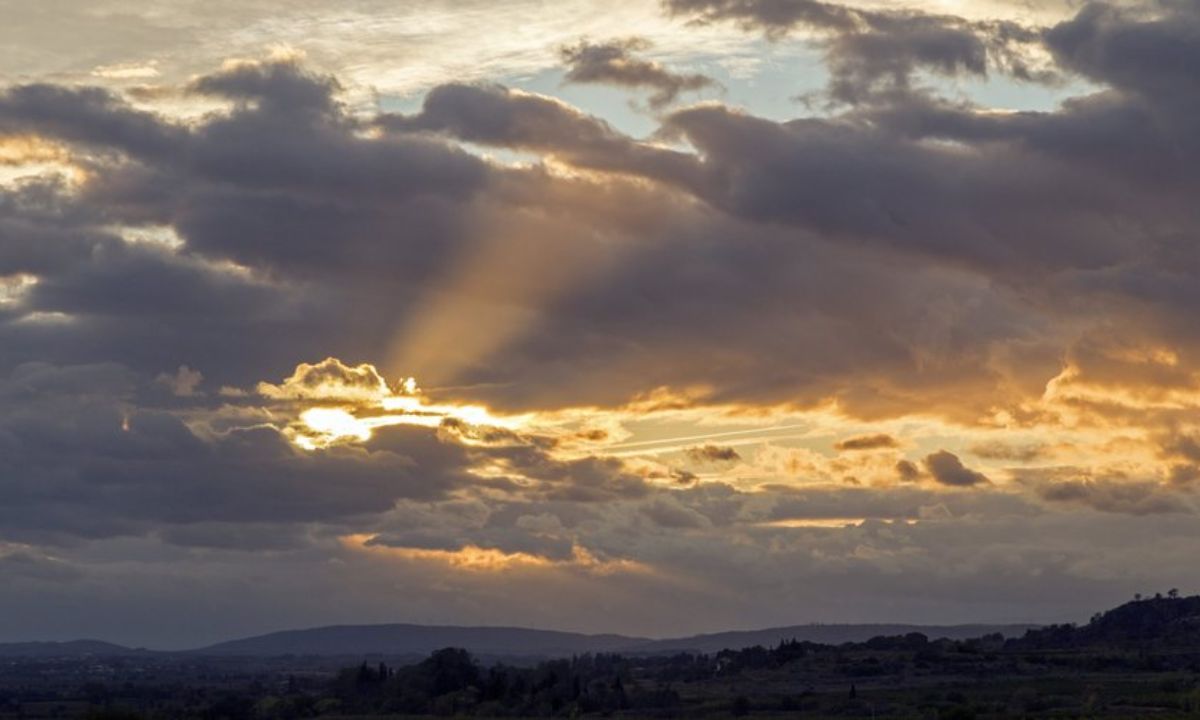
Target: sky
[652, 317]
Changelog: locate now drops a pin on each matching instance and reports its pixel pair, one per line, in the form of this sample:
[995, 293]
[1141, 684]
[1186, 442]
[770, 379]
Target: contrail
[708, 436]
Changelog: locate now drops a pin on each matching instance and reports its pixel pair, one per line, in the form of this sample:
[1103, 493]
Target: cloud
[90, 457]
[92, 116]
[280, 86]
[1006, 451]
[499, 116]
[867, 442]
[297, 250]
[908, 471]
[712, 453]
[670, 515]
[1144, 48]
[868, 51]
[613, 63]
[906, 270]
[1182, 446]
[183, 382]
[947, 469]
[1115, 496]
[330, 380]
[882, 190]
[591, 479]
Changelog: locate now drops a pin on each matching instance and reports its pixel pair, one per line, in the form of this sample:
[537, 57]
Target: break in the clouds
[276, 349]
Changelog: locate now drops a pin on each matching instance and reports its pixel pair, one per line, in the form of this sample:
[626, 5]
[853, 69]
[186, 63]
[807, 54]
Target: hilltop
[1166, 620]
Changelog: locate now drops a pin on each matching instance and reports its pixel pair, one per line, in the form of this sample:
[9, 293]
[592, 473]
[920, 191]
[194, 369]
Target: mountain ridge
[405, 639]
[66, 648]
[411, 638]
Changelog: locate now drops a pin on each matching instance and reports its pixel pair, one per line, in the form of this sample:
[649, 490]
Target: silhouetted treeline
[451, 682]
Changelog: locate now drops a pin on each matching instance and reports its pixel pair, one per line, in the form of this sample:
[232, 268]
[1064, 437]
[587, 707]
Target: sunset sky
[654, 317]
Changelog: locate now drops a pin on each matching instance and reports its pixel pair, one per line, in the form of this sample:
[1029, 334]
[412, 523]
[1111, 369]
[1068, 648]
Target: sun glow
[347, 404]
[331, 404]
[332, 425]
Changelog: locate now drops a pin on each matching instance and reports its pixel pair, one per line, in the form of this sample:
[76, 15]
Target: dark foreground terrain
[1139, 660]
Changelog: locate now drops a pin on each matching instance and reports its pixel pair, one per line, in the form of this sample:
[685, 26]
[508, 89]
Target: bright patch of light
[28, 156]
[332, 424]
[820, 523]
[13, 288]
[127, 71]
[161, 235]
[473, 558]
[46, 318]
[352, 402]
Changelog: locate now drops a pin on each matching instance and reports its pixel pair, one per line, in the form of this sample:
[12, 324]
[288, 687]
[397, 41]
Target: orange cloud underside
[473, 558]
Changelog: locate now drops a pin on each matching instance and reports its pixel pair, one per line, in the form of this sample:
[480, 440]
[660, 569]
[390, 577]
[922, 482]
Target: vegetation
[1138, 660]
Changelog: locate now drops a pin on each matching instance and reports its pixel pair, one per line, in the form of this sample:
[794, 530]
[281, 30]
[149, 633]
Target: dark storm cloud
[614, 63]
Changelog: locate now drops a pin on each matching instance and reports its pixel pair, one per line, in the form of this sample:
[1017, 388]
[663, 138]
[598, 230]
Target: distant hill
[1159, 620]
[422, 640]
[522, 642]
[824, 634]
[418, 641]
[73, 648]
